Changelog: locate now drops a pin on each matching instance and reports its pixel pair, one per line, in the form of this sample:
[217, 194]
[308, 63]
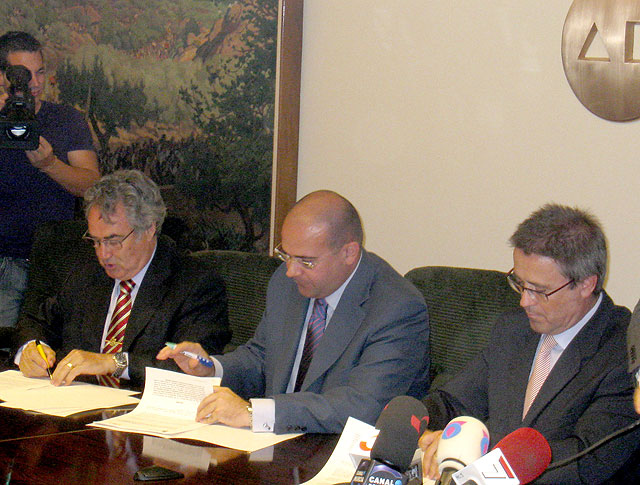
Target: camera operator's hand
[43, 156]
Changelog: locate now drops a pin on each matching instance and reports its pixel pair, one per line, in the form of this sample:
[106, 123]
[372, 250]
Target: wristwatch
[120, 360]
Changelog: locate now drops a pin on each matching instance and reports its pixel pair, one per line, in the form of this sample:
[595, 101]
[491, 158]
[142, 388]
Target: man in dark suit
[373, 343]
[567, 325]
[110, 318]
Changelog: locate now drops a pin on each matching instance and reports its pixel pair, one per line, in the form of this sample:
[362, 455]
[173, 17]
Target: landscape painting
[183, 90]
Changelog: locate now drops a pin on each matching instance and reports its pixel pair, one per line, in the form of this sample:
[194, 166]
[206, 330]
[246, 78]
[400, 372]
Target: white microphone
[464, 440]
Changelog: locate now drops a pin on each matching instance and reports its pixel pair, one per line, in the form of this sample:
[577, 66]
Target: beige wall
[447, 123]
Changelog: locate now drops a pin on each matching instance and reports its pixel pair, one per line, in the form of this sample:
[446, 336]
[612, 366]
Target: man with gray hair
[558, 363]
[111, 321]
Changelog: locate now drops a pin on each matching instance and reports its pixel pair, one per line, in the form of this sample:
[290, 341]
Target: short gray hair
[572, 237]
[139, 195]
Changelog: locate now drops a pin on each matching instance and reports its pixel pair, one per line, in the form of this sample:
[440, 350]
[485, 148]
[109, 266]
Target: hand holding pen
[191, 350]
[192, 355]
[42, 353]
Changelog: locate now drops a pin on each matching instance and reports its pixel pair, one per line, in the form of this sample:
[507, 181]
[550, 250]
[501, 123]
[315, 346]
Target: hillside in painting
[181, 89]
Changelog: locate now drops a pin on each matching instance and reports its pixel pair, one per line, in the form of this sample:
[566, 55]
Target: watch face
[121, 363]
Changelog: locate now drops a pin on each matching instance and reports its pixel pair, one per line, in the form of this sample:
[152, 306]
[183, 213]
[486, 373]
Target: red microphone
[521, 456]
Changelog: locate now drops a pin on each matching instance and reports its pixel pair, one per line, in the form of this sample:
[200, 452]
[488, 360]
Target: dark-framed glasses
[111, 242]
[307, 263]
[539, 295]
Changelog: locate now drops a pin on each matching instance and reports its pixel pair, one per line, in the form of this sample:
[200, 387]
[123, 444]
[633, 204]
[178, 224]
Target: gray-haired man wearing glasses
[111, 317]
[558, 363]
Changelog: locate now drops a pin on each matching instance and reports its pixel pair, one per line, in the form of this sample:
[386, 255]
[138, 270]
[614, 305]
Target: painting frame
[287, 114]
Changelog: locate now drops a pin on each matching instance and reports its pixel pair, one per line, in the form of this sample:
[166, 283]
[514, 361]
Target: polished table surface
[42, 449]
[100, 456]
[36, 448]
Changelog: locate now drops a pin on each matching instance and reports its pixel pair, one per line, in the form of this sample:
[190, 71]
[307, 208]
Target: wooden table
[41, 449]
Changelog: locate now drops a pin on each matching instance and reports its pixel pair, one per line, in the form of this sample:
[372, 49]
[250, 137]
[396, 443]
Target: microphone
[401, 423]
[464, 440]
[518, 458]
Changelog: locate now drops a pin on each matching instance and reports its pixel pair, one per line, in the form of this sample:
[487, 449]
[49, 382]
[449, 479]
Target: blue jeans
[13, 283]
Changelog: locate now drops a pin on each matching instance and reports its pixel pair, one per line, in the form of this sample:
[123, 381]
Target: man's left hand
[225, 407]
[81, 362]
[43, 156]
[636, 399]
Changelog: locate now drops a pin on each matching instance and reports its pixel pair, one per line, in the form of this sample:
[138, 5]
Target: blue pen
[191, 355]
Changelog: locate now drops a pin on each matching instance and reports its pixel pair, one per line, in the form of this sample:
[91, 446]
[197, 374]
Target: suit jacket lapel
[291, 332]
[150, 294]
[344, 323]
[98, 295]
[517, 366]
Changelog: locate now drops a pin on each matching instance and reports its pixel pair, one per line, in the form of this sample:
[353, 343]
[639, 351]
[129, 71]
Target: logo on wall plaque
[601, 56]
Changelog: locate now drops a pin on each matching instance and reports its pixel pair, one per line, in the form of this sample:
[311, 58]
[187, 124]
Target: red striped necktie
[117, 327]
[315, 331]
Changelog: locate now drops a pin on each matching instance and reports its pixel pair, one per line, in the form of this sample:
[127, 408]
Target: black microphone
[597, 444]
[401, 423]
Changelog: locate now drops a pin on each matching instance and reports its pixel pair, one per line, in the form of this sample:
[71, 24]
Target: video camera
[19, 128]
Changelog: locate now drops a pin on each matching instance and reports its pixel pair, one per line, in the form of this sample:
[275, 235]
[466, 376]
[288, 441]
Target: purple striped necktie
[315, 331]
[117, 327]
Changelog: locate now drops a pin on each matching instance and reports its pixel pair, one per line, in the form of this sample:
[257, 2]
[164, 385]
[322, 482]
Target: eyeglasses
[113, 243]
[538, 295]
[308, 263]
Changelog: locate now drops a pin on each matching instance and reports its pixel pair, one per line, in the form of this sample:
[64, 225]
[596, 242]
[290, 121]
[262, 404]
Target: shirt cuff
[264, 415]
[16, 359]
[637, 377]
[125, 373]
[217, 367]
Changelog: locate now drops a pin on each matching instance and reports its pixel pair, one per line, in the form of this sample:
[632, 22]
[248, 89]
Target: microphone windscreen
[463, 440]
[401, 423]
[527, 451]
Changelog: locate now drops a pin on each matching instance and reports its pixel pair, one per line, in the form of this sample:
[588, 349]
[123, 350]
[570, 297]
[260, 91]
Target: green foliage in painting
[182, 89]
[236, 114]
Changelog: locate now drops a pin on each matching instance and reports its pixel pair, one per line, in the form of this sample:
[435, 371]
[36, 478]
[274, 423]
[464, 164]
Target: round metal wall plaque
[601, 56]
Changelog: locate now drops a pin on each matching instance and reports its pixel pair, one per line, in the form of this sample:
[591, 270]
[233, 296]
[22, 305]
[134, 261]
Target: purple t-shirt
[28, 196]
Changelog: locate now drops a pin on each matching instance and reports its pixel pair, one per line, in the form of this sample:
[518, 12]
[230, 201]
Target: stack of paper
[168, 409]
[38, 394]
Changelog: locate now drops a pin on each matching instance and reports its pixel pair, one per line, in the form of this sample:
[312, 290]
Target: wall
[447, 123]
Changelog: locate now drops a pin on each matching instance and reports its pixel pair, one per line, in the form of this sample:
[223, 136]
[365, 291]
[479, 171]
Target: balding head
[324, 228]
[330, 210]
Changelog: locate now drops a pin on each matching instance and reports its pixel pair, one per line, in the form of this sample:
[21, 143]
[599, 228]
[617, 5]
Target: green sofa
[462, 302]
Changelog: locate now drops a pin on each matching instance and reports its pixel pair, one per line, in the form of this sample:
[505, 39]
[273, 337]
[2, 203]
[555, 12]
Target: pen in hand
[44, 357]
[191, 355]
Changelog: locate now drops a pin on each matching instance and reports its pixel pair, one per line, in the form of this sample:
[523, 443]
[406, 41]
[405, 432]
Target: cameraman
[37, 185]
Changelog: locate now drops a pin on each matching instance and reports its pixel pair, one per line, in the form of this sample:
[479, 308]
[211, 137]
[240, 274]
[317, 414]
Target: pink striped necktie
[117, 327]
[315, 331]
[541, 370]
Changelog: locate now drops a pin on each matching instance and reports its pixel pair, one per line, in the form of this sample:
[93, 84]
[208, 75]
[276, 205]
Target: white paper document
[168, 409]
[339, 467]
[168, 406]
[38, 394]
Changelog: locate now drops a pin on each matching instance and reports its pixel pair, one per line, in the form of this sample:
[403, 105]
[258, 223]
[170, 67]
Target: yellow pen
[44, 357]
